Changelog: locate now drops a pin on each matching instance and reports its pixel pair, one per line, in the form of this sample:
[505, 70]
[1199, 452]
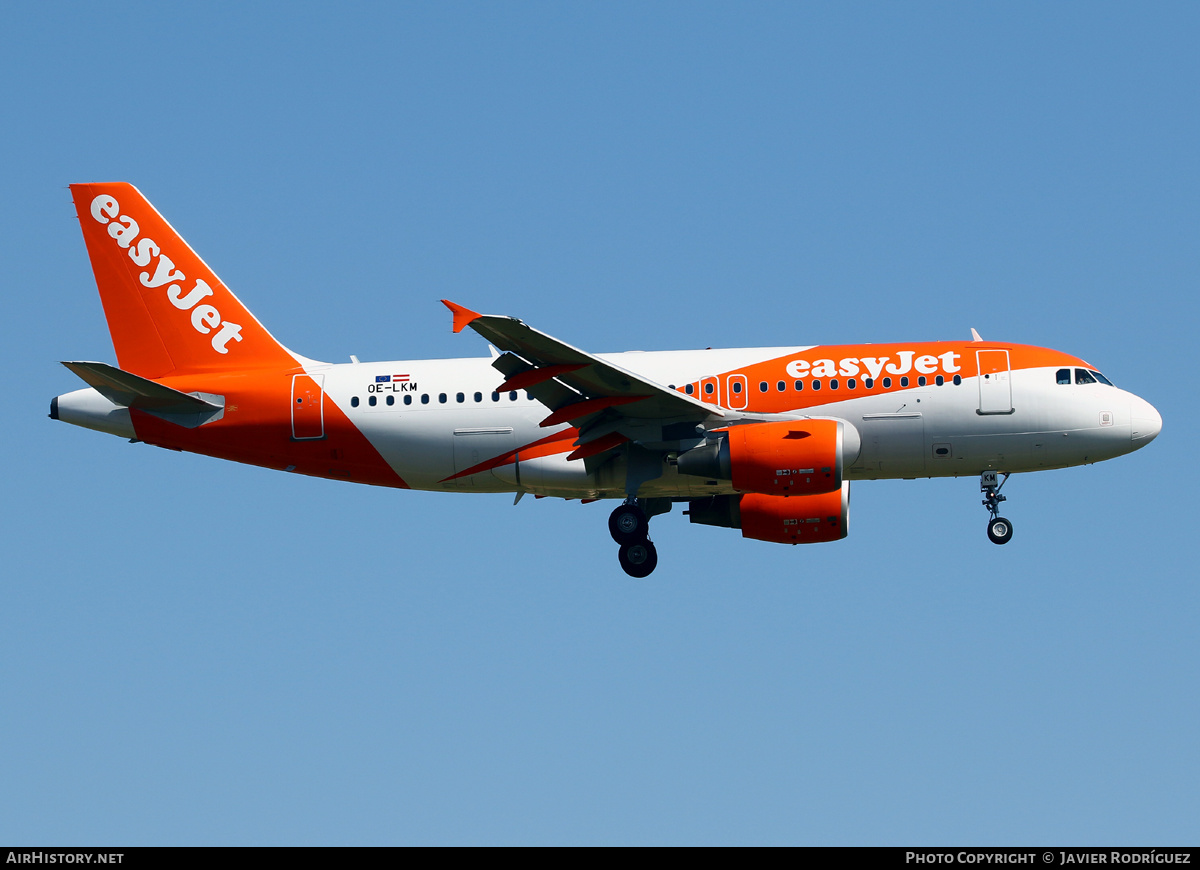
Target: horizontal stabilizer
[131, 391]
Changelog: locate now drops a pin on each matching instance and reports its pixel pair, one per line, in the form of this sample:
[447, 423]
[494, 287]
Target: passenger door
[995, 382]
[308, 407]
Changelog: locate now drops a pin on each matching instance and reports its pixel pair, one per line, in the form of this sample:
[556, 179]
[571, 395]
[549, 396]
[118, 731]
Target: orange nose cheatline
[1145, 421]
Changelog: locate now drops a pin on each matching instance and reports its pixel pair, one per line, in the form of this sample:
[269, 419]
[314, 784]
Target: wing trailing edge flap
[592, 394]
[131, 391]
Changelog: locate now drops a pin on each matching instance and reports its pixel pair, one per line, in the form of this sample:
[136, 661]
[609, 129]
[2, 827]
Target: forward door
[995, 382]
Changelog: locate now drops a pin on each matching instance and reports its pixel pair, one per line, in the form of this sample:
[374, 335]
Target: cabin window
[816, 385]
[762, 386]
[887, 382]
[957, 380]
[354, 402]
[833, 384]
[479, 397]
[460, 398]
[441, 398]
[799, 385]
[939, 380]
[869, 383]
[689, 389]
[373, 401]
[708, 388]
[781, 386]
[408, 398]
[737, 387]
[512, 395]
[495, 396]
[391, 400]
[921, 381]
[424, 398]
[851, 384]
[904, 381]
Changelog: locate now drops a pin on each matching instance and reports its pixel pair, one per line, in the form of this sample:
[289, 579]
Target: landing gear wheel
[638, 559]
[1000, 530]
[627, 525]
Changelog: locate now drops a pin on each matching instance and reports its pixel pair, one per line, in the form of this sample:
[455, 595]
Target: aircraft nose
[1145, 421]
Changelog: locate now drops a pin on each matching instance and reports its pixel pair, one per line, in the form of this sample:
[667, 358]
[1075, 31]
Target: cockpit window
[1064, 376]
[1101, 378]
[1083, 376]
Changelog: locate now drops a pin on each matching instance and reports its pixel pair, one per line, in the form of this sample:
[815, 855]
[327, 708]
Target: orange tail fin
[168, 312]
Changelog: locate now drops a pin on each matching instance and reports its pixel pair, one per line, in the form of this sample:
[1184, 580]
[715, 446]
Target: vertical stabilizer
[168, 312]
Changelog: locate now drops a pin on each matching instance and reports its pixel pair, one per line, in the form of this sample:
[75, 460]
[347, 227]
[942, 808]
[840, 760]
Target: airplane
[765, 440]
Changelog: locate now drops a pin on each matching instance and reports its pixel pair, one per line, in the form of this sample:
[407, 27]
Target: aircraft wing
[606, 403]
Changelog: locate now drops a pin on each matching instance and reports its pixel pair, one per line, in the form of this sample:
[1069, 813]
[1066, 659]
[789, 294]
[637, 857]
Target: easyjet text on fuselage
[872, 366]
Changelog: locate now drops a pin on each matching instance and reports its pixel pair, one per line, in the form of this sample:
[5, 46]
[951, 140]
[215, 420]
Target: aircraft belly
[892, 447]
[892, 432]
[555, 475]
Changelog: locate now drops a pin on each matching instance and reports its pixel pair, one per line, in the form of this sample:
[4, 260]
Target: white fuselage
[454, 421]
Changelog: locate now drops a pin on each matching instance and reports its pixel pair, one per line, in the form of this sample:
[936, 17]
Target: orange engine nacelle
[788, 457]
[799, 519]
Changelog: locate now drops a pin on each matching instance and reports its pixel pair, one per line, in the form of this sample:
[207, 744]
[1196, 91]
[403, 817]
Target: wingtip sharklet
[462, 316]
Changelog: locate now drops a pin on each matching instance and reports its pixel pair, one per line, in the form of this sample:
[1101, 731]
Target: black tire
[638, 559]
[1000, 531]
[628, 524]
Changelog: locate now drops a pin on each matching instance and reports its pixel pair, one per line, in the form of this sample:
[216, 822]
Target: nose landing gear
[630, 527]
[999, 529]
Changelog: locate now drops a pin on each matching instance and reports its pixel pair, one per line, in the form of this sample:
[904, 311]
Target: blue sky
[199, 652]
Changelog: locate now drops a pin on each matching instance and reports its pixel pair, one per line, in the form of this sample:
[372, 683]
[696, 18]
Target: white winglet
[975, 335]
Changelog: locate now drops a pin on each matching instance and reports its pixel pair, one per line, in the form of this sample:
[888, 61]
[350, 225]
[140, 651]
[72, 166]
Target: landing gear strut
[629, 527]
[999, 529]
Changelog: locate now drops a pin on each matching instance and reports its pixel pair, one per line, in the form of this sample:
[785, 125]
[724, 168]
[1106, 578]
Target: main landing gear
[999, 529]
[629, 527]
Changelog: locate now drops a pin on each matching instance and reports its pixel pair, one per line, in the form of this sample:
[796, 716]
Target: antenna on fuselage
[975, 335]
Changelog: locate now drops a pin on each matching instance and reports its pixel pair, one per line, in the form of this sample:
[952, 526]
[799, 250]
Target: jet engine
[799, 519]
[784, 458]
